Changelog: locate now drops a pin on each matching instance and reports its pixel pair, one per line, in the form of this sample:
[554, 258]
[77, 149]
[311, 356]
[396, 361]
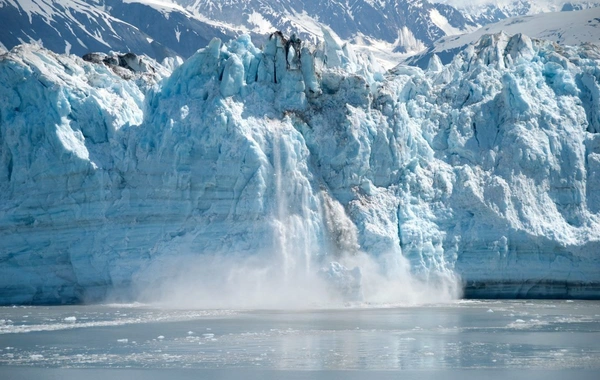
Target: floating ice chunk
[490, 311]
[70, 319]
[160, 337]
[124, 340]
[190, 332]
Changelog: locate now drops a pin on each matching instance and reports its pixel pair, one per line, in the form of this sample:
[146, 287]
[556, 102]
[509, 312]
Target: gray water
[464, 339]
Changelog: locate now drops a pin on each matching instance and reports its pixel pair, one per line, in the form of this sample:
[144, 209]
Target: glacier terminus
[299, 173]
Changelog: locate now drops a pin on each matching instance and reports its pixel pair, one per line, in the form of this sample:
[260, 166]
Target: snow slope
[292, 172]
[156, 29]
[488, 12]
[565, 28]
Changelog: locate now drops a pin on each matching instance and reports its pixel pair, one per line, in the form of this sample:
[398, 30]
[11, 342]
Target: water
[464, 339]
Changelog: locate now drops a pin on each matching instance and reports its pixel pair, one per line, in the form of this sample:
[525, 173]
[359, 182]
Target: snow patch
[263, 26]
[442, 23]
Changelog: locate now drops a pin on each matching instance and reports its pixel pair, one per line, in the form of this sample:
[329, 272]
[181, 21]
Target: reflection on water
[463, 335]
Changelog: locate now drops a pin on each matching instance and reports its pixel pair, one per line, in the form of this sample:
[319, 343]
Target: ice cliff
[486, 169]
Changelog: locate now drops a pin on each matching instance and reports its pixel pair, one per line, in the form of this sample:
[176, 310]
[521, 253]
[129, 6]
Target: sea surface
[459, 340]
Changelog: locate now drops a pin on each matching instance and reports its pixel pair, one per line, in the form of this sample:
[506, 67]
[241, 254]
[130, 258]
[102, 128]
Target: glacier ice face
[287, 163]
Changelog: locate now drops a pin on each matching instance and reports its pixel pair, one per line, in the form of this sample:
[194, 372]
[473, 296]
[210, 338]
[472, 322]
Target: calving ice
[300, 175]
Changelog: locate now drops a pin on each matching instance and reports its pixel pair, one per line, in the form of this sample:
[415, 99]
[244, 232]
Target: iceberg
[300, 172]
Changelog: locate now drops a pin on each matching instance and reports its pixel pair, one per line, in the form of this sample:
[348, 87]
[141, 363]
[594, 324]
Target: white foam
[150, 317]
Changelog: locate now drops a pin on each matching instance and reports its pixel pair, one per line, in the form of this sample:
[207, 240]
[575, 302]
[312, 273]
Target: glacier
[300, 172]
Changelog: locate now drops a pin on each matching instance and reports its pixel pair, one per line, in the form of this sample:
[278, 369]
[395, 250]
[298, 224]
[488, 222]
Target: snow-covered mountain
[162, 28]
[408, 25]
[389, 29]
[489, 12]
[564, 28]
[155, 28]
[290, 169]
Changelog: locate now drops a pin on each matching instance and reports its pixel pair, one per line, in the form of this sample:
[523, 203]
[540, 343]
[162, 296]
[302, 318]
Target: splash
[313, 257]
